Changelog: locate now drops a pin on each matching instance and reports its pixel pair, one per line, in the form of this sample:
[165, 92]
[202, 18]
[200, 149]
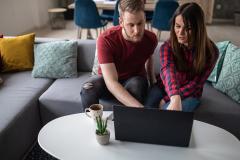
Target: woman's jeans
[156, 94]
[95, 88]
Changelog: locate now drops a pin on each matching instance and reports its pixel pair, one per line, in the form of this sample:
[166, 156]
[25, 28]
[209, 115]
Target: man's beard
[131, 38]
[126, 33]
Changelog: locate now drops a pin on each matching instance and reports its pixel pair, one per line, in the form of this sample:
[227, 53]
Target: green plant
[101, 126]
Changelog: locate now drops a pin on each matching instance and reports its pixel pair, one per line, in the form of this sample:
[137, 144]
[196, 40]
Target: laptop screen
[152, 125]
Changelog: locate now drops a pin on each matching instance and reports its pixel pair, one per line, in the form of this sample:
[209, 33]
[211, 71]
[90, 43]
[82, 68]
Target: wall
[224, 9]
[19, 16]
[206, 5]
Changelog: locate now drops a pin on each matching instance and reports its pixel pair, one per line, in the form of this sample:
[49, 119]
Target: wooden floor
[218, 31]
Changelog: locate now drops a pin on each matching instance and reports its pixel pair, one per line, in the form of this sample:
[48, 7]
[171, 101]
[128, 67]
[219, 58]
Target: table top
[110, 5]
[55, 10]
[72, 137]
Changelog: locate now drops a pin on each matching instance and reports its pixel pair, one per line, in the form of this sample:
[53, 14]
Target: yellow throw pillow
[17, 53]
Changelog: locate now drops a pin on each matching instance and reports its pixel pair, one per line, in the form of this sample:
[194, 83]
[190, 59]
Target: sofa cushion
[55, 59]
[62, 97]
[218, 109]
[17, 53]
[229, 78]
[19, 112]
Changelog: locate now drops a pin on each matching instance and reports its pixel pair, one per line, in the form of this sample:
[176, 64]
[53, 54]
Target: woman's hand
[175, 103]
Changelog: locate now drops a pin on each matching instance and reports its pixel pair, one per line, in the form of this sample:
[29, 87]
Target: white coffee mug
[95, 110]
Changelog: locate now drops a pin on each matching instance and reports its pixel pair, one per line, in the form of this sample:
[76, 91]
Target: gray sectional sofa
[27, 103]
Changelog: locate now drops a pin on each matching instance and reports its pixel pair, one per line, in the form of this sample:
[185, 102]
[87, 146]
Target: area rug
[38, 154]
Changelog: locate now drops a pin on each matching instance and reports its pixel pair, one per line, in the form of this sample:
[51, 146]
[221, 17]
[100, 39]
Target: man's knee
[91, 90]
[87, 85]
[93, 85]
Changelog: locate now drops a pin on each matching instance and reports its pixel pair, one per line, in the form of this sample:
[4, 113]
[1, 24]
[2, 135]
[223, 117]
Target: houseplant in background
[102, 134]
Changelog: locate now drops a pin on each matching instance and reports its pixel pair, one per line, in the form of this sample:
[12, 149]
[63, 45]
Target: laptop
[152, 126]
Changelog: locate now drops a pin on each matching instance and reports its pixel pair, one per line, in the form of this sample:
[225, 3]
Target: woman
[186, 61]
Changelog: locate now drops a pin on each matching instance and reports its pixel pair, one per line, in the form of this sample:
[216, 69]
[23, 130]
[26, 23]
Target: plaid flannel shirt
[178, 83]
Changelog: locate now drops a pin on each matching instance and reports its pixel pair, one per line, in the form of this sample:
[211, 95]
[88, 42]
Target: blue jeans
[156, 94]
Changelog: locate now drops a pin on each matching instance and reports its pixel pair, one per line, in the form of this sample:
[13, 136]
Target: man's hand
[175, 103]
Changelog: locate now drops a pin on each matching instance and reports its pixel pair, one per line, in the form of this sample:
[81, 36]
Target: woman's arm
[168, 76]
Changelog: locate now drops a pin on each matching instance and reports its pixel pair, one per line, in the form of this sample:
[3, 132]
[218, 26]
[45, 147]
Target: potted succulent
[102, 134]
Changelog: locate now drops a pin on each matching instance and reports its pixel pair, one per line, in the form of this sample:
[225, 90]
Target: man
[125, 58]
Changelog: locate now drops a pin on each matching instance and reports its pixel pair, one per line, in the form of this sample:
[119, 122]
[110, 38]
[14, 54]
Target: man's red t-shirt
[128, 57]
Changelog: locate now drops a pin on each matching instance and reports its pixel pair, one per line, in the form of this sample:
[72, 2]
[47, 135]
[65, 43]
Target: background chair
[86, 16]
[107, 15]
[116, 15]
[162, 15]
[149, 16]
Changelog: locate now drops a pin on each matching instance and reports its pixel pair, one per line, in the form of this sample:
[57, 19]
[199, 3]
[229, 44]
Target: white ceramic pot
[103, 139]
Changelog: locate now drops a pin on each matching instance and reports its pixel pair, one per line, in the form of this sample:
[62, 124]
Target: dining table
[110, 5]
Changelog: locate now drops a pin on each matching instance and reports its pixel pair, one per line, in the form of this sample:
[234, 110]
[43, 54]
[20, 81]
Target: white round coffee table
[72, 137]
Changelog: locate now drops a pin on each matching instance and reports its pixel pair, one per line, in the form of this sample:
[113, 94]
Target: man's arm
[110, 76]
[150, 71]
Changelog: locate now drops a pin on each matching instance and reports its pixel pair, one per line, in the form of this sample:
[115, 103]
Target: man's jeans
[95, 88]
[156, 94]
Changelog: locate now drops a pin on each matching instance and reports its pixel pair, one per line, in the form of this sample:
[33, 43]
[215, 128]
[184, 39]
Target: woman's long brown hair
[204, 51]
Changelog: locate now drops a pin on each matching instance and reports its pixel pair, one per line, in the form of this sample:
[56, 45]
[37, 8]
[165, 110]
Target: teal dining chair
[162, 15]
[86, 16]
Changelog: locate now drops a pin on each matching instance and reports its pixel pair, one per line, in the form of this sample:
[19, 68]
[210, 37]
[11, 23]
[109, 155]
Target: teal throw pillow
[56, 59]
[229, 78]
[222, 47]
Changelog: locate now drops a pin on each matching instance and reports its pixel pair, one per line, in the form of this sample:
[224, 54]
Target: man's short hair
[131, 6]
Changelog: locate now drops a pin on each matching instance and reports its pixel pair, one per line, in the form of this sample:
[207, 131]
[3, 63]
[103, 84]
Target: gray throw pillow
[56, 59]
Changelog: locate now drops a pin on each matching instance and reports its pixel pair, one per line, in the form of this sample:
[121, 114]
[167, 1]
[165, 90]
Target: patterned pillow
[55, 60]
[229, 78]
[222, 47]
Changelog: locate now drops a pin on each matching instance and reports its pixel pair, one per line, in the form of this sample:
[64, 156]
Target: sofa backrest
[86, 53]
[156, 58]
